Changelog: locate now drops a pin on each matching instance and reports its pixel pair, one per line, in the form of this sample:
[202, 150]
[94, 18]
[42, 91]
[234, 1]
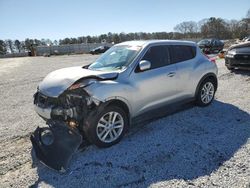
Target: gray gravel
[197, 147]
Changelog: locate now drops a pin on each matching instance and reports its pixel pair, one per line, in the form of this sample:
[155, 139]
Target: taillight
[210, 59]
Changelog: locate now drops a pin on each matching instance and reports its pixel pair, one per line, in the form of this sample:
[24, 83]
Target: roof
[148, 42]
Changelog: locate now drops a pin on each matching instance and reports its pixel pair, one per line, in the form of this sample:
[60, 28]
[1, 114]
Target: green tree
[17, 44]
[89, 39]
[28, 44]
[10, 45]
[115, 38]
[56, 43]
[81, 39]
[3, 48]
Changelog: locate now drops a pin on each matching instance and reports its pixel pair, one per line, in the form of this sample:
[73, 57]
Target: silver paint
[58, 81]
[139, 91]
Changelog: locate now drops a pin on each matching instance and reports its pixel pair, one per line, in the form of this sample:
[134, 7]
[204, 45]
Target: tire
[103, 127]
[206, 92]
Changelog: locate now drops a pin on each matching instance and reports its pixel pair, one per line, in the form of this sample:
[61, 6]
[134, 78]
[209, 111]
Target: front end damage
[65, 117]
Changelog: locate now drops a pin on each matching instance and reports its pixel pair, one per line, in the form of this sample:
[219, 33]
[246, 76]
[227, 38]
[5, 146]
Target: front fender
[111, 90]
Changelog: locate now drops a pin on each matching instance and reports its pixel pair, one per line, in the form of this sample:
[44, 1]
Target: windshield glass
[116, 58]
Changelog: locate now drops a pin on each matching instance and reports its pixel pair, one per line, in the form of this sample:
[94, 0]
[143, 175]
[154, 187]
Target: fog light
[47, 137]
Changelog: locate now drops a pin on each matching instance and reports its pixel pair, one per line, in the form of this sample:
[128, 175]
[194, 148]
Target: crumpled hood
[58, 81]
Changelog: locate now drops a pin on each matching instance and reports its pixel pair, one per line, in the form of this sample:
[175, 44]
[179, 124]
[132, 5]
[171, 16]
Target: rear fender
[205, 77]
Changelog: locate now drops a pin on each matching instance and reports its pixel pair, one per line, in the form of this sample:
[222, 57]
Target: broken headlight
[83, 83]
[90, 100]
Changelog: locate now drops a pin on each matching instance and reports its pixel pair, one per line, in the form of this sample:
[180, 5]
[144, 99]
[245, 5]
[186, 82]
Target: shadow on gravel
[241, 72]
[184, 145]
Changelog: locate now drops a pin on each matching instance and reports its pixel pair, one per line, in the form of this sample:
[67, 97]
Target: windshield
[116, 58]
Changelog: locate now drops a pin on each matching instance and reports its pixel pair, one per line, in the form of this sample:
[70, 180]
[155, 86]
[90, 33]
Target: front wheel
[206, 92]
[108, 127]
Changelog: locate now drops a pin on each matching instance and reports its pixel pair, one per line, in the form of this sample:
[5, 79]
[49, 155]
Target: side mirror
[144, 65]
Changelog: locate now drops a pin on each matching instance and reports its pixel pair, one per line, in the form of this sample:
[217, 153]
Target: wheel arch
[119, 103]
[207, 76]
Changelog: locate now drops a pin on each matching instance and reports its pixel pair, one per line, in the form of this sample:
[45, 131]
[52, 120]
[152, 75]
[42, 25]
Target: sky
[58, 19]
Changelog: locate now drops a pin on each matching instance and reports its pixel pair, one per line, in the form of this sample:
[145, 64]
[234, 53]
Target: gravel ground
[196, 147]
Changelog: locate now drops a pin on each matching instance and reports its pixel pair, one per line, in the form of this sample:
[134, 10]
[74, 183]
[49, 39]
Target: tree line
[206, 28]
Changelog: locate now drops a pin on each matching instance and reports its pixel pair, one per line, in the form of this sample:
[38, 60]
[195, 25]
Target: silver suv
[131, 78]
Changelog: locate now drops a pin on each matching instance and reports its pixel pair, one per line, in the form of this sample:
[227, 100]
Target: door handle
[171, 74]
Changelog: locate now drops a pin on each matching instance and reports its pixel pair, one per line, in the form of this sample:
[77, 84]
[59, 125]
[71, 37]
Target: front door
[156, 86]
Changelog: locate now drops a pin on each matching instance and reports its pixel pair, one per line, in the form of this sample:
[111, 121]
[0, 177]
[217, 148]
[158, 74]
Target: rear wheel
[108, 127]
[206, 92]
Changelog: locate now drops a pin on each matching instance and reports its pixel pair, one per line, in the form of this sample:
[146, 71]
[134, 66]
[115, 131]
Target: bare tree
[186, 27]
[181, 27]
[248, 14]
[235, 28]
[189, 29]
[215, 27]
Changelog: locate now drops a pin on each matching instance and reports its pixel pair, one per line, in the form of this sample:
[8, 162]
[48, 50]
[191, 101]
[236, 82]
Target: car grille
[242, 56]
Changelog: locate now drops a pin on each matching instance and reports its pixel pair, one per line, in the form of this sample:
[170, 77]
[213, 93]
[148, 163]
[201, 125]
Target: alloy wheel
[207, 93]
[110, 127]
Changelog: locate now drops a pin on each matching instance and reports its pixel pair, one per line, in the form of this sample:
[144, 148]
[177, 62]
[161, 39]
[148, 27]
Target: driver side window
[158, 56]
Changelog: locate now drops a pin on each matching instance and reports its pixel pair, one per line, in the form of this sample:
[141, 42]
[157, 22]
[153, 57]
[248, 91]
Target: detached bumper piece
[54, 145]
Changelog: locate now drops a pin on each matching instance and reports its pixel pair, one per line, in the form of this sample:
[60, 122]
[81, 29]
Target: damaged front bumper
[43, 112]
[54, 145]
[65, 117]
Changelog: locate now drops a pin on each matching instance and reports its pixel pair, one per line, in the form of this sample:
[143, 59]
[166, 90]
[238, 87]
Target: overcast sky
[57, 19]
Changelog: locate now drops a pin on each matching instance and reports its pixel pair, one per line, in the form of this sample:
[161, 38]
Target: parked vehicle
[246, 39]
[238, 56]
[211, 45]
[98, 102]
[99, 50]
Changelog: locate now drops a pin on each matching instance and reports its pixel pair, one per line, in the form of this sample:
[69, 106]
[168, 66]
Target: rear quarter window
[181, 53]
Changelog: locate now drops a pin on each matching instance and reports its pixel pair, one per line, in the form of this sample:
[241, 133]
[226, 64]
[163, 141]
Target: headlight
[82, 84]
[231, 53]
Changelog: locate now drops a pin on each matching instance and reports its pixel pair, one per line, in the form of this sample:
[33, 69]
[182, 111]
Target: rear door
[183, 57]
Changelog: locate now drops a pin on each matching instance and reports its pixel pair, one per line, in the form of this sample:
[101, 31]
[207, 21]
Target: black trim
[164, 110]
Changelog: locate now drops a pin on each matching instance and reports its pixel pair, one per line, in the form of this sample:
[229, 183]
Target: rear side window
[158, 56]
[182, 53]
